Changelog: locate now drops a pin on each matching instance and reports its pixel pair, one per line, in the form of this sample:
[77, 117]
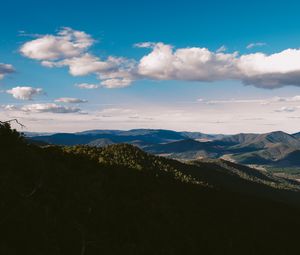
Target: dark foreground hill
[120, 200]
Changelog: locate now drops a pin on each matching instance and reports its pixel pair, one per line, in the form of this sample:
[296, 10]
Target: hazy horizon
[89, 130]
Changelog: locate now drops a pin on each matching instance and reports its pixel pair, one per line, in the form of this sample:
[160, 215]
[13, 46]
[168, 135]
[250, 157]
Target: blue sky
[182, 98]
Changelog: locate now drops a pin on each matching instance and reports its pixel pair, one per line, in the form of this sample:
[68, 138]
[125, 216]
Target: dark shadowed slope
[291, 159]
[181, 146]
[297, 135]
[120, 200]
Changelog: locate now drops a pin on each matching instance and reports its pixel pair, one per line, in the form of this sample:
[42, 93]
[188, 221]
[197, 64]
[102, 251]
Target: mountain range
[272, 150]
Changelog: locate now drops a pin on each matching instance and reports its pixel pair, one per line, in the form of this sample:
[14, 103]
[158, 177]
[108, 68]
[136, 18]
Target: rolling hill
[259, 149]
[264, 141]
[180, 146]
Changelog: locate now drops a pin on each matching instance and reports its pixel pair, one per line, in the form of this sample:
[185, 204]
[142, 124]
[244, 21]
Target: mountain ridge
[246, 148]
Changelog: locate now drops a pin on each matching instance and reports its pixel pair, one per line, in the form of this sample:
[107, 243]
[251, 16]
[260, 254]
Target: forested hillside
[121, 200]
[269, 150]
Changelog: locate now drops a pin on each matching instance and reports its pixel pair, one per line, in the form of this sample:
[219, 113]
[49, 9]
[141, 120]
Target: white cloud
[86, 64]
[5, 69]
[24, 93]
[87, 86]
[236, 101]
[271, 71]
[49, 107]
[222, 49]
[266, 101]
[199, 64]
[145, 45]
[10, 107]
[226, 118]
[66, 43]
[70, 100]
[194, 64]
[258, 44]
[70, 48]
[287, 99]
[116, 83]
[286, 109]
[113, 72]
[41, 108]
[295, 98]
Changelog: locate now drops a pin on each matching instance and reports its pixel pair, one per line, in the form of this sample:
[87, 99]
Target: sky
[207, 66]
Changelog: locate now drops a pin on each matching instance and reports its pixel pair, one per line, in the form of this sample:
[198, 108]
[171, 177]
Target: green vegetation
[134, 158]
[270, 149]
[120, 200]
[286, 170]
[288, 173]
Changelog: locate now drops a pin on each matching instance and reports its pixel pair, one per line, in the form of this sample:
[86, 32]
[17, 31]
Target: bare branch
[12, 120]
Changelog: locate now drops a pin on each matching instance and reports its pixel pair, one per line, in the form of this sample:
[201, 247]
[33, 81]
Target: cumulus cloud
[86, 64]
[271, 71]
[49, 107]
[5, 69]
[87, 86]
[194, 64]
[200, 64]
[24, 93]
[66, 43]
[70, 48]
[113, 72]
[41, 108]
[257, 44]
[116, 83]
[70, 100]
